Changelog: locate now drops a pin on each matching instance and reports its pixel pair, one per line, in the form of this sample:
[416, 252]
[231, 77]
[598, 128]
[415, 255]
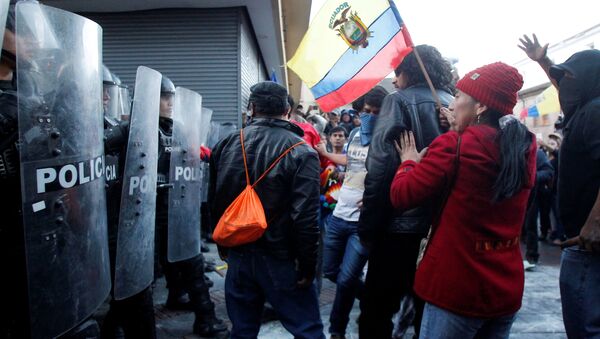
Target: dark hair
[269, 98]
[338, 129]
[438, 68]
[291, 102]
[375, 96]
[359, 104]
[515, 144]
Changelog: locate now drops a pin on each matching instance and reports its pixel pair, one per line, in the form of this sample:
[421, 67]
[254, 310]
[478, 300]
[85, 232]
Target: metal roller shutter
[251, 66]
[196, 48]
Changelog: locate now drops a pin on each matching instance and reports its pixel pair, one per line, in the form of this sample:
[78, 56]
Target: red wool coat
[473, 264]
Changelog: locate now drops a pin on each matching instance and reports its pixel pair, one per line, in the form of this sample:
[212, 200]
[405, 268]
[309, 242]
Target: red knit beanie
[495, 85]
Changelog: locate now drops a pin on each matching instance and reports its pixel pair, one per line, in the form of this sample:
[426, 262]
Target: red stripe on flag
[371, 74]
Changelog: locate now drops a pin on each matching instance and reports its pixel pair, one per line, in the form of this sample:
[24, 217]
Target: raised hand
[534, 50]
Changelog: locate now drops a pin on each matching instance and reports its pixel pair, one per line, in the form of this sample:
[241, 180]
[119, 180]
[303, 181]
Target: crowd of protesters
[433, 188]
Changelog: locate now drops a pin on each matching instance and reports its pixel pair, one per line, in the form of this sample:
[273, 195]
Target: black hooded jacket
[410, 109]
[289, 193]
[579, 162]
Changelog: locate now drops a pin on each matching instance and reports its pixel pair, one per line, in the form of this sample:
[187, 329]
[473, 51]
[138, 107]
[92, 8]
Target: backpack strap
[277, 160]
[272, 164]
[244, 153]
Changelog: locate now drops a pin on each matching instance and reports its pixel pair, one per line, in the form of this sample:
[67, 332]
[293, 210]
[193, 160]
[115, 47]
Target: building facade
[217, 48]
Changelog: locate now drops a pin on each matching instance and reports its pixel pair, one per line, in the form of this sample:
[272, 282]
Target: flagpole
[436, 97]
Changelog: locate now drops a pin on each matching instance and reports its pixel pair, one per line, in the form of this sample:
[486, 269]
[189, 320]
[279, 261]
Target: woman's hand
[447, 118]
[407, 148]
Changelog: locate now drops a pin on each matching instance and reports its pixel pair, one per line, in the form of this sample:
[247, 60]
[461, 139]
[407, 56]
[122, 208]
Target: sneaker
[528, 266]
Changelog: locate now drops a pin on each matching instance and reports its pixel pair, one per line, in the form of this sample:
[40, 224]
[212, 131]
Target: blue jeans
[439, 323]
[580, 292]
[344, 258]
[254, 277]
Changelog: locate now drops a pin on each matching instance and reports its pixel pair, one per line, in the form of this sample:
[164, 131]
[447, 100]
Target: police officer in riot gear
[134, 315]
[185, 276]
[49, 291]
[13, 290]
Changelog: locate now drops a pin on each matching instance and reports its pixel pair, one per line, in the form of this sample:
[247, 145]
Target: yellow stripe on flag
[547, 102]
[321, 46]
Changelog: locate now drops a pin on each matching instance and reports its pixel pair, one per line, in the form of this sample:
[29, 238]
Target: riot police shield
[124, 102]
[204, 132]
[186, 177]
[219, 131]
[62, 170]
[3, 14]
[206, 124]
[134, 266]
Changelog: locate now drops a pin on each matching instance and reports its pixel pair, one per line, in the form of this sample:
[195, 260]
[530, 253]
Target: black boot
[209, 283]
[210, 327]
[204, 248]
[178, 301]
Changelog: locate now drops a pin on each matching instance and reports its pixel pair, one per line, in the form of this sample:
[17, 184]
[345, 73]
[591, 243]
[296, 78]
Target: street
[540, 317]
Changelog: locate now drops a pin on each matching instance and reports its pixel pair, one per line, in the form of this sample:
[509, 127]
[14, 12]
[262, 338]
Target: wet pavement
[540, 317]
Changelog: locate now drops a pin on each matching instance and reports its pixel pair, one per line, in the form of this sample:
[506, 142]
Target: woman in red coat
[471, 275]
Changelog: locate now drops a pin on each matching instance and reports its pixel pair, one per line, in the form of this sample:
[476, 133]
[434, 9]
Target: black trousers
[135, 315]
[544, 199]
[531, 228]
[391, 275]
[185, 276]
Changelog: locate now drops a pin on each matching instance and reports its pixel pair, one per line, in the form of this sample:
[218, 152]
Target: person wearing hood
[578, 85]
[394, 236]
[480, 176]
[346, 120]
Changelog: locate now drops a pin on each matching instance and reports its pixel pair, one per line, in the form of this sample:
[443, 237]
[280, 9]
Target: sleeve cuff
[406, 166]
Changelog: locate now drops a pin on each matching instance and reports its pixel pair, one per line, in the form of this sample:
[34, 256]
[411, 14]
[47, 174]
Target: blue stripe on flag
[351, 62]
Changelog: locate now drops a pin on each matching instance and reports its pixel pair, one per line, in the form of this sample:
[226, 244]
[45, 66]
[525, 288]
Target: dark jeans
[580, 293]
[442, 324]
[391, 275]
[254, 277]
[135, 315]
[531, 228]
[343, 262]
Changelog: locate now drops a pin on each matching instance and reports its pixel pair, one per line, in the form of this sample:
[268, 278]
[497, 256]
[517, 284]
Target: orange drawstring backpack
[244, 220]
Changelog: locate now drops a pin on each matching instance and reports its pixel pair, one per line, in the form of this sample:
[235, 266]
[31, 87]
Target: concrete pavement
[540, 317]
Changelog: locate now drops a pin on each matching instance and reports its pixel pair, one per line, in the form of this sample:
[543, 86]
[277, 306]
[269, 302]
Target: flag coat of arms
[350, 46]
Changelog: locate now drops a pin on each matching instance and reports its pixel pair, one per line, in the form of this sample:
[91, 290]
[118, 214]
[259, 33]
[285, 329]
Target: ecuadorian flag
[350, 46]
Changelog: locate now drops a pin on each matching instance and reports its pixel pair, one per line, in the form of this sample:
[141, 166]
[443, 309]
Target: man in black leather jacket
[394, 236]
[280, 266]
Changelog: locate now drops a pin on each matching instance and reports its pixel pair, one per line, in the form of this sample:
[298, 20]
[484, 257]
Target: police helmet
[107, 76]
[166, 86]
[116, 79]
